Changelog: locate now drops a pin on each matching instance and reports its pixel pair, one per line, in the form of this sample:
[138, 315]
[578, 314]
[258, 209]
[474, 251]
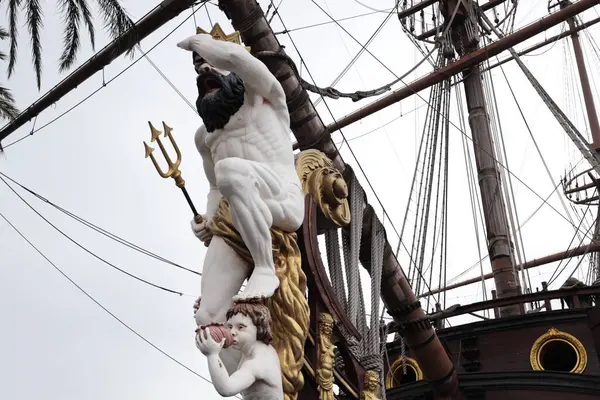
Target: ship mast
[588, 98]
[464, 35]
[590, 108]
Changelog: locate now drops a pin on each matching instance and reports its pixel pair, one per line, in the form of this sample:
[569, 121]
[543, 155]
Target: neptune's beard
[219, 98]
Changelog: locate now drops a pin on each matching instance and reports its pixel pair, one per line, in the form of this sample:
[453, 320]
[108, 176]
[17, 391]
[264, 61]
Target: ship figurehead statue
[248, 331]
[254, 208]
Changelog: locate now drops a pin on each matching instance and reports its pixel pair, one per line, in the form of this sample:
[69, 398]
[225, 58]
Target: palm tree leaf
[34, 23]
[87, 18]
[117, 21]
[3, 35]
[71, 42]
[13, 14]
[8, 109]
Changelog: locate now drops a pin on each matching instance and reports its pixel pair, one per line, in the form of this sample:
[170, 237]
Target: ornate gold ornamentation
[396, 365]
[325, 184]
[173, 171]
[340, 379]
[288, 306]
[326, 357]
[372, 386]
[554, 335]
[219, 34]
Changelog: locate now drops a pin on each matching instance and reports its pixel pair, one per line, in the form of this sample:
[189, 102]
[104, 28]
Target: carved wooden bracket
[325, 184]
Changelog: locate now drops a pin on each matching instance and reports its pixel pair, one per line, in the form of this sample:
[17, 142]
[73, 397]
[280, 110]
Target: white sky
[57, 344]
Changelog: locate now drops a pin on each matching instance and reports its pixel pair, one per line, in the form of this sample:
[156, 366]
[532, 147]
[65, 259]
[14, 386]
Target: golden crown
[219, 34]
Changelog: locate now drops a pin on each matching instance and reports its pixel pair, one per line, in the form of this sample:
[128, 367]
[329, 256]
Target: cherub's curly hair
[258, 312]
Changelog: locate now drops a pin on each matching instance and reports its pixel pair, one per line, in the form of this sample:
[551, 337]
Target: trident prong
[168, 134]
[155, 133]
[173, 171]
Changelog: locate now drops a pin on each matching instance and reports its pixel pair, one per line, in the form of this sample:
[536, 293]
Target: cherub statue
[370, 392]
[258, 375]
[248, 159]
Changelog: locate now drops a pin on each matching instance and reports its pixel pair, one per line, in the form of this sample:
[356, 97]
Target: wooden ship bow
[336, 208]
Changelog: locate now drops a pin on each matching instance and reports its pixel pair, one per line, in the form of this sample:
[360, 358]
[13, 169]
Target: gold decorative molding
[341, 380]
[326, 357]
[219, 34]
[289, 308]
[325, 184]
[372, 386]
[397, 364]
[554, 335]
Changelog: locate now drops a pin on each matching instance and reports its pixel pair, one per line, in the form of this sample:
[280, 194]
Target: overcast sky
[57, 344]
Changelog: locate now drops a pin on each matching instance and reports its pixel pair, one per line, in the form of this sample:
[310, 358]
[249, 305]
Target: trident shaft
[173, 171]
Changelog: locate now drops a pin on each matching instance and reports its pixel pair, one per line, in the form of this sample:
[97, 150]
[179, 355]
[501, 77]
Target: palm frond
[71, 42]
[8, 109]
[117, 21]
[3, 33]
[13, 15]
[34, 23]
[87, 18]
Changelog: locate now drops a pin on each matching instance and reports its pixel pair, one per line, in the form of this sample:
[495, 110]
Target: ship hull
[501, 358]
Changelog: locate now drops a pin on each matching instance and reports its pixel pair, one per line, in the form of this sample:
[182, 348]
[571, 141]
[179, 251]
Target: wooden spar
[521, 299]
[416, 8]
[490, 4]
[464, 63]
[498, 238]
[546, 42]
[160, 15]
[426, 3]
[248, 18]
[532, 48]
[588, 98]
[578, 251]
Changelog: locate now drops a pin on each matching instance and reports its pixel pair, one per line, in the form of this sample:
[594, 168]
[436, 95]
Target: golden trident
[173, 171]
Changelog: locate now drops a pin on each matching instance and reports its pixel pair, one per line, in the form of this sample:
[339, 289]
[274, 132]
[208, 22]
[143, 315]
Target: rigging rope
[89, 296]
[89, 251]
[100, 230]
[104, 84]
[538, 208]
[360, 52]
[430, 166]
[509, 195]
[570, 243]
[580, 142]
[351, 245]
[334, 262]
[475, 199]
[385, 213]
[377, 247]
[283, 32]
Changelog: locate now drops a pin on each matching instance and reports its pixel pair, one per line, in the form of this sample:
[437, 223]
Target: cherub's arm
[227, 385]
[214, 196]
[235, 58]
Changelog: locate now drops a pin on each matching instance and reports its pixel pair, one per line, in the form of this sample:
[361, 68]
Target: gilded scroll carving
[325, 184]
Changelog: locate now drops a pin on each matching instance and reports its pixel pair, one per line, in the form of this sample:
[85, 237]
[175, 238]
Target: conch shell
[218, 332]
